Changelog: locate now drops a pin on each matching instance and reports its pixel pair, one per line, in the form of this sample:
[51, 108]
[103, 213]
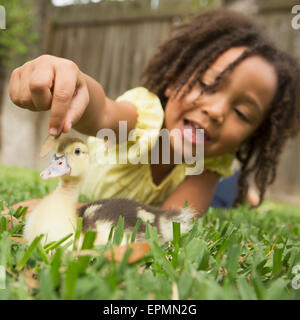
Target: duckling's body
[56, 215]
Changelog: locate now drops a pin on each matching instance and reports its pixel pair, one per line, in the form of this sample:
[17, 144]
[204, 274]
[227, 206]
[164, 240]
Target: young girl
[216, 72]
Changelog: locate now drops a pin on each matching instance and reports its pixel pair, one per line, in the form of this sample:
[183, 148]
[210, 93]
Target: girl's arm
[102, 112]
[198, 190]
[73, 98]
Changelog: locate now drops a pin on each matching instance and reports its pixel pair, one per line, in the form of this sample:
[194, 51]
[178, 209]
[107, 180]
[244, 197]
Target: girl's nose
[216, 110]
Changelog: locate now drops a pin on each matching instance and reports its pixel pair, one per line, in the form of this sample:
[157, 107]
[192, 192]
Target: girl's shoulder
[149, 109]
[141, 95]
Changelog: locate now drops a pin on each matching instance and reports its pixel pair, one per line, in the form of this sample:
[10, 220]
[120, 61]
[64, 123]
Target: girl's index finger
[63, 92]
[40, 86]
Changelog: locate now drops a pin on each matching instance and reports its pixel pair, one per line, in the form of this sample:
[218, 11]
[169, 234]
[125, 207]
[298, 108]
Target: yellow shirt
[110, 179]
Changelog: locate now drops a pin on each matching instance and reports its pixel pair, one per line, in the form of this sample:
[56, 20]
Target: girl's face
[231, 113]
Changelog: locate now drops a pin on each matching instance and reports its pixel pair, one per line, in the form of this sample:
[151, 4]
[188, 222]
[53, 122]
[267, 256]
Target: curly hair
[194, 46]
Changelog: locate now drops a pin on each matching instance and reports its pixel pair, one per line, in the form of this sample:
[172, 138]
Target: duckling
[56, 215]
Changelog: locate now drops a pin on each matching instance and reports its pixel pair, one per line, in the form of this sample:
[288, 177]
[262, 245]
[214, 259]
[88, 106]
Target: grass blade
[56, 244]
[28, 252]
[3, 224]
[176, 243]
[233, 253]
[137, 225]
[118, 235]
[72, 274]
[77, 233]
[21, 212]
[88, 242]
[111, 232]
[277, 259]
[42, 253]
[55, 265]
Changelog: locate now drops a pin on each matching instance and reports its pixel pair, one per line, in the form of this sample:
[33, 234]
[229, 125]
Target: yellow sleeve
[150, 116]
[221, 164]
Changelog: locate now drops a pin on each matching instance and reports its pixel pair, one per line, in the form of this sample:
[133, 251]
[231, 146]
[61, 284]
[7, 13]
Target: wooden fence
[111, 41]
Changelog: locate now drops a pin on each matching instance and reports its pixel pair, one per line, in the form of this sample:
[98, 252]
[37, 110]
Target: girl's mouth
[193, 136]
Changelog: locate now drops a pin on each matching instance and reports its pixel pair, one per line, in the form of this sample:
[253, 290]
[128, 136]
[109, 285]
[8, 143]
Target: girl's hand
[49, 82]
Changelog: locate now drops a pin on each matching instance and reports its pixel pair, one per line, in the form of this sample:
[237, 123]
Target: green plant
[19, 34]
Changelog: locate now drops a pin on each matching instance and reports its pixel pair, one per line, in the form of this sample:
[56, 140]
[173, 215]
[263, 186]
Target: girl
[216, 72]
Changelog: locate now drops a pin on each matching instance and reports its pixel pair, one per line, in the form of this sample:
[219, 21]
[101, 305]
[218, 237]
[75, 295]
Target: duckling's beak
[58, 168]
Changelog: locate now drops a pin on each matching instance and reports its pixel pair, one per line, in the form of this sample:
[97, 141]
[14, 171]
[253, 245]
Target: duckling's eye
[77, 151]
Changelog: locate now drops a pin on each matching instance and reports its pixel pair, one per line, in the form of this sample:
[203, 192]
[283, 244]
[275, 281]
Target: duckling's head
[71, 159]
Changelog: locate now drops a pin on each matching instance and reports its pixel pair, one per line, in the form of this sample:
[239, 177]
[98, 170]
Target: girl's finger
[40, 84]
[77, 108]
[14, 84]
[24, 94]
[64, 88]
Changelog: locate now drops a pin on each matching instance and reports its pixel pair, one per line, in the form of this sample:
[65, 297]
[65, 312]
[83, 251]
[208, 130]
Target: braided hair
[194, 46]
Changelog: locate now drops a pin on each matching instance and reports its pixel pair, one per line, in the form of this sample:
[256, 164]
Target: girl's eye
[77, 151]
[242, 116]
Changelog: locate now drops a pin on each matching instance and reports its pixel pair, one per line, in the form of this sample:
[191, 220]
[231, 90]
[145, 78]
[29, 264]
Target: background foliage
[20, 34]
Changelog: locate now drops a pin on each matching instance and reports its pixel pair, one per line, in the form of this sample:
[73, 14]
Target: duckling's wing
[106, 212]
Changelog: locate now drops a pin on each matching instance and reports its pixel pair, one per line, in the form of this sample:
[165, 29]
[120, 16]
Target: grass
[229, 254]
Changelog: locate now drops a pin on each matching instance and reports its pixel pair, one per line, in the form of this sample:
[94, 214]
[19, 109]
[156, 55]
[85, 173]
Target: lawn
[228, 254]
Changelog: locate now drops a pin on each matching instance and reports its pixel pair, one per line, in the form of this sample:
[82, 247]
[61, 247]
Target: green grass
[18, 184]
[229, 254]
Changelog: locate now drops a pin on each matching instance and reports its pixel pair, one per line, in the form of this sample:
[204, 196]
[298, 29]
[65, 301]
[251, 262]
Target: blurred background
[110, 40]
